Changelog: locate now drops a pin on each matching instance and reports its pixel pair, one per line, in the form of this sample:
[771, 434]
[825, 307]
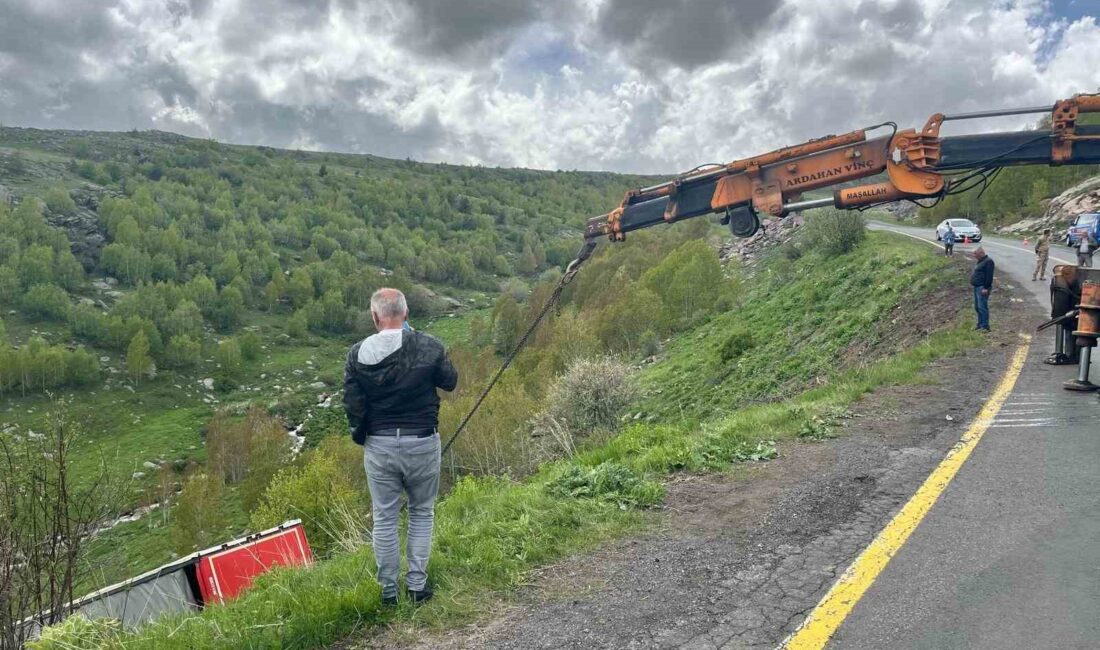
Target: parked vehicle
[1087, 222]
[962, 227]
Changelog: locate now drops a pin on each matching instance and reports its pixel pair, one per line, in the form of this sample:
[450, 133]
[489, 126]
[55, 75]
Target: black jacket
[397, 391]
[982, 275]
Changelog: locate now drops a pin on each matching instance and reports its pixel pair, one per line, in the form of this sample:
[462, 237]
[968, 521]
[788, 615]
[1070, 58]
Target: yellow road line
[826, 618]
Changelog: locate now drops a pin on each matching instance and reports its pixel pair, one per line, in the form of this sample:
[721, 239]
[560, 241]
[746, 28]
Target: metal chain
[570, 273]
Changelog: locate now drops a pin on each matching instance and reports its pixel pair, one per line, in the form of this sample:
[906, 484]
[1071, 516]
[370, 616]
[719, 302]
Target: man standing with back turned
[390, 383]
[981, 278]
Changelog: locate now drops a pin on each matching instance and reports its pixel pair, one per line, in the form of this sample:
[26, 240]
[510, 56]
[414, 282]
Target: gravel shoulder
[736, 559]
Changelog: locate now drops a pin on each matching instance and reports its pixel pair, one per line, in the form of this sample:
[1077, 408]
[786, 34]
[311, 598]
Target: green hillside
[185, 303]
[149, 281]
[192, 243]
[492, 530]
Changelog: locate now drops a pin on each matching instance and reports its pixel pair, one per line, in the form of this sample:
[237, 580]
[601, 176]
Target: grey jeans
[395, 466]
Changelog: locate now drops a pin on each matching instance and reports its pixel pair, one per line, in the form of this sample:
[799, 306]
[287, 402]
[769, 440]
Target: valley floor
[738, 558]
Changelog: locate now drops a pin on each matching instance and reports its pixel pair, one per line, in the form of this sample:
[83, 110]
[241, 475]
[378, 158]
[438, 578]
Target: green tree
[81, 367]
[249, 343]
[228, 268]
[47, 301]
[68, 271]
[185, 319]
[199, 517]
[228, 309]
[297, 326]
[183, 352]
[87, 322]
[322, 494]
[689, 282]
[300, 288]
[9, 283]
[507, 324]
[36, 265]
[139, 363]
[128, 232]
[228, 358]
[201, 291]
[623, 324]
[274, 291]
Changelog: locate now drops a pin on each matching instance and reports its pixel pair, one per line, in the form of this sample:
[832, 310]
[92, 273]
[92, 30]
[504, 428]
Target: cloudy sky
[624, 85]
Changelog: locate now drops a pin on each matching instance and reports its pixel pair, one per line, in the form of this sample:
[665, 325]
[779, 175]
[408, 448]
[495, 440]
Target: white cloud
[584, 84]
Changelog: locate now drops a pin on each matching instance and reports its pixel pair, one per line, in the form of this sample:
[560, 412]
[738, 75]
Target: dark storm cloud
[630, 85]
[255, 21]
[684, 33]
[466, 28]
[42, 37]
[340, 124]
[44, 44]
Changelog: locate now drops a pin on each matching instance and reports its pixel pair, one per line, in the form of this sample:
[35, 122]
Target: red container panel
[228, 571]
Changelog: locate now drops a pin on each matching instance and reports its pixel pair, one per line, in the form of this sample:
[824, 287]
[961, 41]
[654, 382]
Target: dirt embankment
[737, 559]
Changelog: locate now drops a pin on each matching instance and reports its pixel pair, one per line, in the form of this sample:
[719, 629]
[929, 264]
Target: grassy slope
[799, 316]
[490, 531]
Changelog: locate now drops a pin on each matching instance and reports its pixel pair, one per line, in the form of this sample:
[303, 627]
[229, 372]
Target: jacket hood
[378, 348]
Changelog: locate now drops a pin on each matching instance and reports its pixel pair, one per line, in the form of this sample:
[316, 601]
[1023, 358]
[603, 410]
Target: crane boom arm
[917, 164]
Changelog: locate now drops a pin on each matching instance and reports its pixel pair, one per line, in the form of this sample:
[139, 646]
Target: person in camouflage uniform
[1042, 254]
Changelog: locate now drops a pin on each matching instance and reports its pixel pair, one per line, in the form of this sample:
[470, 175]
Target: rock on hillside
[1084, 197]
[773, 232]
[82, 226]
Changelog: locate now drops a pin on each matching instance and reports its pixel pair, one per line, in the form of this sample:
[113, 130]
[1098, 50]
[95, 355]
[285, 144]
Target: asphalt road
[1010, 555]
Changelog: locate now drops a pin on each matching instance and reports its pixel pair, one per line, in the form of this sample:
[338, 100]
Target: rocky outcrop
[1084, 197]
[82, 226]
[900, 209]
[773, 232]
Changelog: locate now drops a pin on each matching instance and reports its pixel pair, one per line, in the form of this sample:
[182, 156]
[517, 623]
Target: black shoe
[389, 601]
[422, 596]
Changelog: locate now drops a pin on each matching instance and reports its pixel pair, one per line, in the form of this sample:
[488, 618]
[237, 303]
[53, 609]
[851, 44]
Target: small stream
[298, 441]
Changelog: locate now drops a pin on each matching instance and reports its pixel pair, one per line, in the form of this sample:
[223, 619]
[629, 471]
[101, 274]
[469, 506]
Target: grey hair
[388, 303]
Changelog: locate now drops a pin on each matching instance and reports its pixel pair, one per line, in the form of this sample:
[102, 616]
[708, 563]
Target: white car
[962, 227]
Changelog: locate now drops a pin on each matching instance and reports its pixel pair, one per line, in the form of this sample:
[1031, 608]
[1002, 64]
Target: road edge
[821, 624]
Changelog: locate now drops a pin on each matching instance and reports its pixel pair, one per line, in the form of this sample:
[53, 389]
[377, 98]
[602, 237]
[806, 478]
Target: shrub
[737, 343]
[323, 496]
[495, 442]
[252, 448]
[689, 283]
[228, 357]
[250, 346]
[183, 352]
[791, 250]
[608, 481]
[59, 201]
[834, 232]
[47, 301]
[199, 517]
[589, 396]
[649, 344]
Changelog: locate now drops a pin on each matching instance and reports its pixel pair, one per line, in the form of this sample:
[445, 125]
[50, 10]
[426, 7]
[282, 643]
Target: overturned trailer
[191, 583]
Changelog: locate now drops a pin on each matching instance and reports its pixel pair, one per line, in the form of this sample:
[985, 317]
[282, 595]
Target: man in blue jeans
[981, 278]
[390, 383]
